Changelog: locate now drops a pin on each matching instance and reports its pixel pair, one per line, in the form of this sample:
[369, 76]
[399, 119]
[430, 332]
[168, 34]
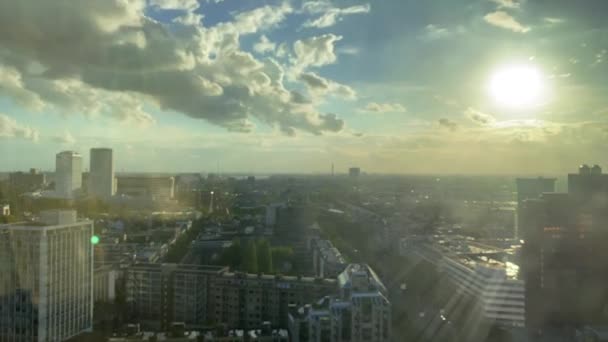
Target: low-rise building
[494, 285]
[326, 259]
[159, 294]
[243, 300]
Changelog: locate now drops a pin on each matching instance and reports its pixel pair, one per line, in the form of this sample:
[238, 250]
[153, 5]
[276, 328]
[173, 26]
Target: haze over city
[484, 86]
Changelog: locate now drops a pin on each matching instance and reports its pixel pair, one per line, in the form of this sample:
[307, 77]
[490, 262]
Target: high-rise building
[359, 312]
[530, 188]
[101, 178]
[564, 255]
[68, 174]
[46, 278]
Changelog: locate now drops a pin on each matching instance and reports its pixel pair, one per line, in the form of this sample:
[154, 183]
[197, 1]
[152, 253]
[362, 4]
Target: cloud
[434, 32]
[510, 4]
[331, 15]
[315, 51]
[319, 86]
[10, 128]
[551, 20]
[374, 107]
[264, 45]
[506, 21]
[447, 123]
[479, 117]
[106, 57]
[188, 5]
[66, 138]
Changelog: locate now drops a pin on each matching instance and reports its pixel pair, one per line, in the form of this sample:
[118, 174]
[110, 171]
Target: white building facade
[68, 174]
[101, 173]
[360, 312]
[500, 296]
[46, 283]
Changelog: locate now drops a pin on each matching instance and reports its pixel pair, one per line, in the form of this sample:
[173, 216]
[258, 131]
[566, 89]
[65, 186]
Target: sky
[391, 86]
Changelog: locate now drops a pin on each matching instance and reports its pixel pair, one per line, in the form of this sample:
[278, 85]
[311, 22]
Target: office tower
[101, 171]
[564, 255]
[68, 174]
[359, 312]
[530, 188]
[354, 172]
[589, 185]
[46, 282]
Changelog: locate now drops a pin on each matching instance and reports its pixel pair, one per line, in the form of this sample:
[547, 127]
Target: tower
[68, 174]
[101, 173]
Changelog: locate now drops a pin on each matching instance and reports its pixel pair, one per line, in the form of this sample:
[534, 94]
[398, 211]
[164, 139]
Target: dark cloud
[447, 123]
[479, 117]
[103, 48]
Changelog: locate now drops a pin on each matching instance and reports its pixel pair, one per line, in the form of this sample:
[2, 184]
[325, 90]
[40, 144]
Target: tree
[264, 254]
[250, 258]
[281, 256]
[232, 255]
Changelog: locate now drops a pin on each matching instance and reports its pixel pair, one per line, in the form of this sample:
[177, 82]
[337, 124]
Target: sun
[517, 86]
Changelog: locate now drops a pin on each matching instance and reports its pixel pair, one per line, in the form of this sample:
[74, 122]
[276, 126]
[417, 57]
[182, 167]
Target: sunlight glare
[517, 86]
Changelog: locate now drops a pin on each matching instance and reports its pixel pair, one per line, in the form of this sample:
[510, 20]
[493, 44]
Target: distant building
[564, 255]
[271, 214]
[354, 172]
[101, 179]
[46, 283]
[149, 187]
[5, 210]
[21, 182]
[359, 312]
[68, 174]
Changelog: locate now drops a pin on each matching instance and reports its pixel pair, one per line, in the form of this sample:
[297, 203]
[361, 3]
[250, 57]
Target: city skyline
[391, 86]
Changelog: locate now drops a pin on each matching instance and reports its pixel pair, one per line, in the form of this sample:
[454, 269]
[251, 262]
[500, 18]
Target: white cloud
[319, 86]
[506, 21]
[264, 45]
[511, 4]
[331, 15]
[315, 51]
[551, 20]
[375, 107]
[188, 5]
[106, 57]
[11, 84]
[66, 138]
[433, 32]
[10, 128]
